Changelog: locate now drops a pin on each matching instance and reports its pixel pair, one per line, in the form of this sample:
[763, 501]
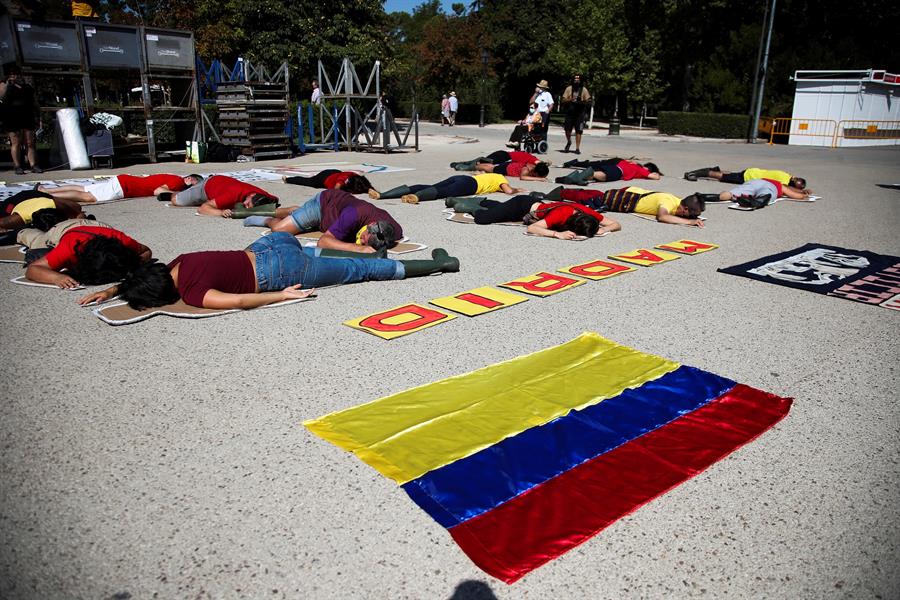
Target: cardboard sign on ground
[12, 254]
[400, 321]
[119, 313]
[597, 270]
[645, 257]
[687, 247]
[543, 284]
[479, 301]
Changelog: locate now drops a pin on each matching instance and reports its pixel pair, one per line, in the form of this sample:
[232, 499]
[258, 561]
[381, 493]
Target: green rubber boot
[263, 210]
[429, 193]
[577, 177]
[441, 262]
[397, 192]
[468, 165]
[709, 197]
[468, 205]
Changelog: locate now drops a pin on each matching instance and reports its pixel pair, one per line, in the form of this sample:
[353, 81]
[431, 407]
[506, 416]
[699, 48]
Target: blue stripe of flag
[475, 484]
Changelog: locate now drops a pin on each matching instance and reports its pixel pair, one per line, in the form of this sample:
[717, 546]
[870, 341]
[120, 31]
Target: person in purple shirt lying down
[347, 223]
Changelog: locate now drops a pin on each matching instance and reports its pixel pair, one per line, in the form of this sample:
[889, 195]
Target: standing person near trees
[575, 101]
[21, 116]
[454, 107]
[544, 100]
[316, 98]
[445, 110]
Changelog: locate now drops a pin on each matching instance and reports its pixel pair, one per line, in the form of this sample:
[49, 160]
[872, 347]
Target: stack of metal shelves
[253, 116]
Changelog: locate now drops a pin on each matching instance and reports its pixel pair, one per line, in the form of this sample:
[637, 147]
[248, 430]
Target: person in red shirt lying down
[122, 186]
[88, 255]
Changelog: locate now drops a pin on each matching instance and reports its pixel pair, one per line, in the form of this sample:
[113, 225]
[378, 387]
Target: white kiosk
[844, 108]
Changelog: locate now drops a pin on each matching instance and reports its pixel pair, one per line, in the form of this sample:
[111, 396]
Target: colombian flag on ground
[523, 460]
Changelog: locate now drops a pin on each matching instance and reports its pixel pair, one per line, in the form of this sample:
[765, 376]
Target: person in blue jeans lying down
[274, 268]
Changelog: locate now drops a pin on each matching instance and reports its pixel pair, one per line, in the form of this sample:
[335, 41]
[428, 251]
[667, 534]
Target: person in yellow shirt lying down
[667, 208]
[457, 186]
[751, 174]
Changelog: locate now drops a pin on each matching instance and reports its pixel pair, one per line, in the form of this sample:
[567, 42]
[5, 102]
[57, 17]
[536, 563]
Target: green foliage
[710, 125]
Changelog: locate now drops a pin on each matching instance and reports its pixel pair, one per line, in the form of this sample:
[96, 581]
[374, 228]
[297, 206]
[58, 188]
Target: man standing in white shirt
[544, 100]
[454, 106]
[316, 98]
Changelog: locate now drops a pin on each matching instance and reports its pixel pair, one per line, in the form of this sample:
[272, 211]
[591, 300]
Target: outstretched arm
[540, 228]
[792, 194]
[664, 216]
[508, 189]
[41, 272]
[328, 240]
[224, 300]
[209, 208]
[101, 296]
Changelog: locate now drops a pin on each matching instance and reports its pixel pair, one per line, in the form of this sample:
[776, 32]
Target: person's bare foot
[410, 199]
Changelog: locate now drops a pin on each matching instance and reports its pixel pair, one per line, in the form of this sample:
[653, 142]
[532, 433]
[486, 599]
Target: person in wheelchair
[529, 133]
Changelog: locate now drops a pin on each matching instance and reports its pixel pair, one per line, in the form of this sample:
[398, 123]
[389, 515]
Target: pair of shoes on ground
[35, 169]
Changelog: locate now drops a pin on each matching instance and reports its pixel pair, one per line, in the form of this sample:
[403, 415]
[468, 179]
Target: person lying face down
[123, 186]
[562, 220]
[274, 268]
[91, 255]
[667, 208]
[48, 225]
[17, 211]
[738, 177]
[609, 169]
[217, 195]
[523, 165]
[347, 223]
[333, 179]
[456, 186]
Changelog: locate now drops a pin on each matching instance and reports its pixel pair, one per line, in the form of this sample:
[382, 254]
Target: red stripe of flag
[548, 520]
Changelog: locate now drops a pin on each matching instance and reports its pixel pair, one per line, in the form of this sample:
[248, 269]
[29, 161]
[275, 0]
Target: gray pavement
[167, 459]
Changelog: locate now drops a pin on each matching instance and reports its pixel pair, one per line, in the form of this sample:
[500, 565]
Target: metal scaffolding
[360, 126]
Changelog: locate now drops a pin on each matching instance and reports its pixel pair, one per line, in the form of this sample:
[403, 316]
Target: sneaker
[20, 171]
[164, 196]
[409, 199]
[568, 145]
[36, 170]
[690, 176]
[577, 151]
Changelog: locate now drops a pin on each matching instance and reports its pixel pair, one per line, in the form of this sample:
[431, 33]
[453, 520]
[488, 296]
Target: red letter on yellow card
[479, 301]
[597, 269]
[399, 321]
[644, 257]
[542, 284]
[688, 247]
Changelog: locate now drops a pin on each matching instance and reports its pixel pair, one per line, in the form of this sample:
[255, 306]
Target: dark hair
[541, 169]
[103, 259]
[13, 70]
[798, 182]
[149, 285]
[198, 178]
[652, 167]
[694, 205]
[381, 234]
[356, 184]
[46, 218]
[582, 223]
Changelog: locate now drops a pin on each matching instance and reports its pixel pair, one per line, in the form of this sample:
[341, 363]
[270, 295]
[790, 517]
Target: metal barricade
[822, 128]
[862, 129]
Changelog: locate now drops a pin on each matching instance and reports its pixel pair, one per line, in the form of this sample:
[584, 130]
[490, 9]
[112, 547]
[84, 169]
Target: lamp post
[484, 62]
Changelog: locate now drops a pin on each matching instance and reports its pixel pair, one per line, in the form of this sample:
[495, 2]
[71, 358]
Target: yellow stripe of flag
[415, 431]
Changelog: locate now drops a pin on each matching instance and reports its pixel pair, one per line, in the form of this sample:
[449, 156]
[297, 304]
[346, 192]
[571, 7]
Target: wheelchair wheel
[528, 146]
[542, 147]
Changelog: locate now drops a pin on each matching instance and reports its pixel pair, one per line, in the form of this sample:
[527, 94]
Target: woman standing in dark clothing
[21, 118]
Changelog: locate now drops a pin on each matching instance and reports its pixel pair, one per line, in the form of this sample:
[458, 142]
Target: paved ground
[167, 459]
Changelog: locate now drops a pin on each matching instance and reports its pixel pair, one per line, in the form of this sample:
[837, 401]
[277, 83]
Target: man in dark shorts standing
[575, 100]
[21, 116]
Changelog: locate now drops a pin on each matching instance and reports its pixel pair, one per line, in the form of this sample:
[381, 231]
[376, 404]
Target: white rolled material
[70, 130]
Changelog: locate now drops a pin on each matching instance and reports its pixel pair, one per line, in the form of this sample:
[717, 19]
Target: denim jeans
[282, 262]
[308, 216]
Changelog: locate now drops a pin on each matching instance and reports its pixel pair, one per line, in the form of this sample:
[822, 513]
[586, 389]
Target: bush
[467, 113]
[711, 125]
